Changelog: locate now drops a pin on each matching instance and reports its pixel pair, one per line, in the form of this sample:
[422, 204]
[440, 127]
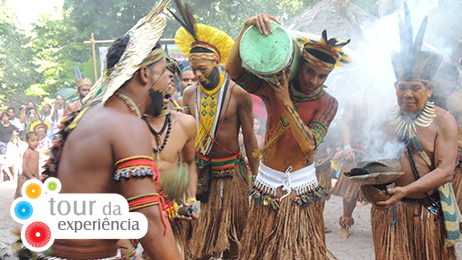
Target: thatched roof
[340, 18]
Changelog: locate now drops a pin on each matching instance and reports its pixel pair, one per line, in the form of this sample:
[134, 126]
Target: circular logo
[23, 210]
[38, 234]
[52, 185]
[33, 190]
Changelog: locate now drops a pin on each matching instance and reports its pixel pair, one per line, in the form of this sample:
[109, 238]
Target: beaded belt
[303, 181]
[221, 167]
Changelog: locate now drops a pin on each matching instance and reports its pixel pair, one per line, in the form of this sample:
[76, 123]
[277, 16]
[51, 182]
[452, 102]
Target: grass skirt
[222, 218]
[415, 236]
[292, 232]
[324, 176]
[346, 188]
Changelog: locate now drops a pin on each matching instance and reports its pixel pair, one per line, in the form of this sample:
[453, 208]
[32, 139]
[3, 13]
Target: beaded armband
[136, 166]
[249, 82]
[319, 130]
[147, 200]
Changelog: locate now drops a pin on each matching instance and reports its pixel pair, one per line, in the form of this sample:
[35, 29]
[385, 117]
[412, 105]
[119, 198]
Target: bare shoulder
[184, 120]
[327, 100]
[239, 93]
[189, 91]
[445, 120]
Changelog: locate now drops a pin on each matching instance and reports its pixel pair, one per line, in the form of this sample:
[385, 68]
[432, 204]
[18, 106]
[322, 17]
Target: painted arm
[445, 152]
[311, 135]
[245, 109]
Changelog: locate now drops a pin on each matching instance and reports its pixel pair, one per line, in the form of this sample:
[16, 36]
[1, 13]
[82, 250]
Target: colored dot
[52, 186]
[33, 191]
[38, 234]
[23, 210]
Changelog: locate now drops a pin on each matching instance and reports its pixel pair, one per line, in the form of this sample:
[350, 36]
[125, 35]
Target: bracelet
[346, 147]
[191, 199]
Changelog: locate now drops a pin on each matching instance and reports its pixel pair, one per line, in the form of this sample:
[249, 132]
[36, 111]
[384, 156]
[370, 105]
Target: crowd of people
[218, 134]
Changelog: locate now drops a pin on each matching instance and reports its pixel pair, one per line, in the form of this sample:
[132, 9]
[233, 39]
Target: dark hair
[187, 68]
[5, 113]
[61, 96]
[30, 134]
[46, 104]
[11, 108]
[321, 55]
[200, 50]
[116, 50]
[32, 104]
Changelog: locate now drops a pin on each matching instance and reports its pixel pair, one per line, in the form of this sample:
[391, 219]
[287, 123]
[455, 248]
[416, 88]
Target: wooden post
[93, 46]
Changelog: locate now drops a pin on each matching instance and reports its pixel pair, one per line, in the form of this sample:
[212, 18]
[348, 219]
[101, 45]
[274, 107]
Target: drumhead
[266, 55]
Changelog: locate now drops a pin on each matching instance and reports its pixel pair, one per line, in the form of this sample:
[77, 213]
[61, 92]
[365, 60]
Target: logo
[48, 215]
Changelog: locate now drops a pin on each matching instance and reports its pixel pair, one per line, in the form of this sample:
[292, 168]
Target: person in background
[15, 151]
[188, 79]
[45, 142]
[446, 82]
[30, 118]
[30, 163]
[46, 116]
[6, 131]
[57, 114]
[14, 120]
[83, 87]
[24, 109]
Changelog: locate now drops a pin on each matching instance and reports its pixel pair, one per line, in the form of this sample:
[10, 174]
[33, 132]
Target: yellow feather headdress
[325, 54]
[192, 35]
[138, 53]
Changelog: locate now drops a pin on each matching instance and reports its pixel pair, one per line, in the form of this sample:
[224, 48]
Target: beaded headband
[153, 57]
[204, 55]
[331, 48]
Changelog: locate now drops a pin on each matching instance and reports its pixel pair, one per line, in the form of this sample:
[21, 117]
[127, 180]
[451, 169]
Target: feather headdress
[410, 63]
[81, 80]
[324, 53]
[138, 53]
[192, 35]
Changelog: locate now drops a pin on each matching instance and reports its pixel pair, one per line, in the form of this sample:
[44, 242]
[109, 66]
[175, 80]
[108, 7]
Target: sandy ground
[358, 246]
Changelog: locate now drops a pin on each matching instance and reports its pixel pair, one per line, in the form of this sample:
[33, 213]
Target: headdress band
[153, 57]
[207, 46]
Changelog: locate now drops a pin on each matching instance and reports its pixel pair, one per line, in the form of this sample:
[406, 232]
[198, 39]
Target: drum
[268, 55]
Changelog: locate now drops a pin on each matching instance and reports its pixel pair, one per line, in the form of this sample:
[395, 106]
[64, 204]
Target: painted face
[83, 90]
[206, 72]
[11, 114]
[311, 77]
[188, 80]
[159, 88]
[33, 141]
[256, 125]
[412, 95]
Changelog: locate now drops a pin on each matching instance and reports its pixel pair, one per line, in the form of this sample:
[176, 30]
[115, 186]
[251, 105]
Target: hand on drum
[260, 21]
[281, 88]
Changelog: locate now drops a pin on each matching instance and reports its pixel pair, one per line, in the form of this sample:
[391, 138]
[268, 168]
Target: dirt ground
[358, 246]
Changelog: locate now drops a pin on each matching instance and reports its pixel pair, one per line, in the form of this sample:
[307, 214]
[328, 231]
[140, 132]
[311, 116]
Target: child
[30, 163]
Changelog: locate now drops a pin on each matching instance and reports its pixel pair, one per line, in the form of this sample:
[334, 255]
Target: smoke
[373, 83]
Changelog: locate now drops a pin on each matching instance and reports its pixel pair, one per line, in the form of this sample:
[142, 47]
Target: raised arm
[245, 112]
[308, 136]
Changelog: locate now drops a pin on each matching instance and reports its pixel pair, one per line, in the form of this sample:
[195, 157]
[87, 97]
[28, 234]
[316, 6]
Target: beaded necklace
[299, 96]
[129, 103]
[168, 121]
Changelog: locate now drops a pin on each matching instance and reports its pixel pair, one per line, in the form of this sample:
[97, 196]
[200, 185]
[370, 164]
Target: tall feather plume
[405, 31]
[188, 21]
[420, 34]
[154, 12]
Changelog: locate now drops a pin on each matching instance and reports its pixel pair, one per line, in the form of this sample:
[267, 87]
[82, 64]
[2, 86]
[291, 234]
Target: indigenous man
[188, 79]
[134, 83]
[417, 221]
[220, 108]
[353, 123]
[281, 229]
[83, 87]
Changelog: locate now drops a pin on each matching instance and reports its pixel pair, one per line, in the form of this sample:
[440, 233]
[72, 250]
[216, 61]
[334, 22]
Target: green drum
[268, 55]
